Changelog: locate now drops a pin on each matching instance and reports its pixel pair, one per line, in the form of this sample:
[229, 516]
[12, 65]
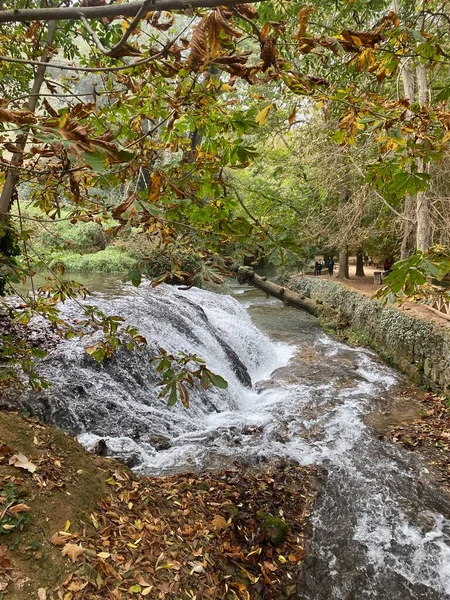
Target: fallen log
[248, 275]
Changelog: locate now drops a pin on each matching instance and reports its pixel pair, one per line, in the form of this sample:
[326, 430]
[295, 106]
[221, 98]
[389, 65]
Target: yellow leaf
[103, 554]
[226, 87]
[263, 115]
[67, 526]
[146, 591]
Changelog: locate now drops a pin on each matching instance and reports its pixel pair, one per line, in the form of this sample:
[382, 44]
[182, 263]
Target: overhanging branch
[131, 9]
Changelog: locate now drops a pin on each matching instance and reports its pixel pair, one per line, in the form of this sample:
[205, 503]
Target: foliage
[155, 140]
[13, 512]
[411, 279]
[110, 260]
[179, 372]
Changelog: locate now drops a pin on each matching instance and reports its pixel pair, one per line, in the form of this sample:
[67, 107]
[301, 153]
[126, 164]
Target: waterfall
[380, 528]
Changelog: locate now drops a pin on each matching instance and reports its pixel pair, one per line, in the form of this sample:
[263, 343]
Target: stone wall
[417, 347]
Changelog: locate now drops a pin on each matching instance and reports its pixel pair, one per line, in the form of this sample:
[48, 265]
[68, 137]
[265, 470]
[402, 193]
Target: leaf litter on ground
[97, 532]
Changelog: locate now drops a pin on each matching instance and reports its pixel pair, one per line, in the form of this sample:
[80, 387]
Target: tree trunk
[360, 263]
[12, 177]
[343, 264]
[423, 237]
[248, 275]
[408, 246]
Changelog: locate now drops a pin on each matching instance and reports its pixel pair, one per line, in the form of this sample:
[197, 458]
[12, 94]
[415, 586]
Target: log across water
[248, 275]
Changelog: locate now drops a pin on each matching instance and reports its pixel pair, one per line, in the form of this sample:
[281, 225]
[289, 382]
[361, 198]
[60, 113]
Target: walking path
[365, 285]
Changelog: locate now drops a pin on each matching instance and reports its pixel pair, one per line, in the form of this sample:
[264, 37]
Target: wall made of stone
[417, 347]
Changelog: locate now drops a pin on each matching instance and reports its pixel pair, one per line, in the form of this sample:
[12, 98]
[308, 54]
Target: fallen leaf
[18, 508]
[42, 594]
[21, 462]
[60, 538]
[218, 523]
[73, 551]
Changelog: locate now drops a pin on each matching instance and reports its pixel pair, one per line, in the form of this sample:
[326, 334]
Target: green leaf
[96, 160]
[38, 352]
[218, 381]
[135, 276]
[173, 395]
[135, 588]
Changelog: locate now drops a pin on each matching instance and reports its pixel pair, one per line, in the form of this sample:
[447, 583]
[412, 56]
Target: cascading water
[380, 528]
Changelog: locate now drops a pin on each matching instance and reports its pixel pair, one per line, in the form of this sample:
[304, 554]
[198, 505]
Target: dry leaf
[18, 508]
[218, 523]
[42, 594]
[73, 551]
[21, 462]
[60, 538]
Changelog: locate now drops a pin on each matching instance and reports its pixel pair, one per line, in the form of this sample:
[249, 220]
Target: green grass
[110, 260]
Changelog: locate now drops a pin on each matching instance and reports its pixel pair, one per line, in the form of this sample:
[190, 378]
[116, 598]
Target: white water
[379, 529]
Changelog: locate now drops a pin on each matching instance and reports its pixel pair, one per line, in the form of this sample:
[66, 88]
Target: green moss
[274, 528]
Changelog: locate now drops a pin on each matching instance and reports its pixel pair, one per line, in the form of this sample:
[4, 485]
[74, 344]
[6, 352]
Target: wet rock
[159, 442]
[252, 430]
[100, 448]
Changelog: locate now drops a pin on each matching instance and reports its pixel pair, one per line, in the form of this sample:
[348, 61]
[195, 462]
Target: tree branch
[131, 9]
[121, 43]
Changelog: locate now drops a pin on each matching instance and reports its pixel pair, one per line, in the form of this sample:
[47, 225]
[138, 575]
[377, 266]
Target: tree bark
[248, 275]
[360, 263]
[423, 236]
[408, 246]
[343, 264]
[12, 177]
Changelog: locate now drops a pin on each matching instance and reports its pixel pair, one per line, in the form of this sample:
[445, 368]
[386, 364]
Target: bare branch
[121, 43]
[131, 9]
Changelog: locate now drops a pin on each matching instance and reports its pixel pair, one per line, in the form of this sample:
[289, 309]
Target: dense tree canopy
[268, 128]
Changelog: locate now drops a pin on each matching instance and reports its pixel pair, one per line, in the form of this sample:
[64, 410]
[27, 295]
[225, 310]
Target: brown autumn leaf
[60, 538]
[4, 561]
[303, 16]
[19, 117]
[219, 523]
[18, 508]
[73, 551]
[21, 462]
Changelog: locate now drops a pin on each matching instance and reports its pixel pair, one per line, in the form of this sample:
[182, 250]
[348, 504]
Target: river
[380, 528]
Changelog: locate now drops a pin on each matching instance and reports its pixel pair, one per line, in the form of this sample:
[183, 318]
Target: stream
[380, 528]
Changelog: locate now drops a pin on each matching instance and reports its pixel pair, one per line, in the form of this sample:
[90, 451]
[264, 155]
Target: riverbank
[416, 346]
[79, 526]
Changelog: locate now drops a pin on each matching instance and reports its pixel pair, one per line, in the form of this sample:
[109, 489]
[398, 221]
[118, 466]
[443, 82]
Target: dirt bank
[76, 526]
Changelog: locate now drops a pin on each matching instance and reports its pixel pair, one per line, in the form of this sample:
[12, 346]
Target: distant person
[316, 267]
[320, 268]
[330, 266]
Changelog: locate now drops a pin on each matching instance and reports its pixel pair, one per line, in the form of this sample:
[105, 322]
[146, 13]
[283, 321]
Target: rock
[274, 528]
[159, 442]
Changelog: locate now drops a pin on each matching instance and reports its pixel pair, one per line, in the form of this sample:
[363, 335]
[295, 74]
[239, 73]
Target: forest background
[157, 139]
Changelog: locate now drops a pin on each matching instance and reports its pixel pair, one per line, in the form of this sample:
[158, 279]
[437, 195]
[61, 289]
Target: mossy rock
[274, 528]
